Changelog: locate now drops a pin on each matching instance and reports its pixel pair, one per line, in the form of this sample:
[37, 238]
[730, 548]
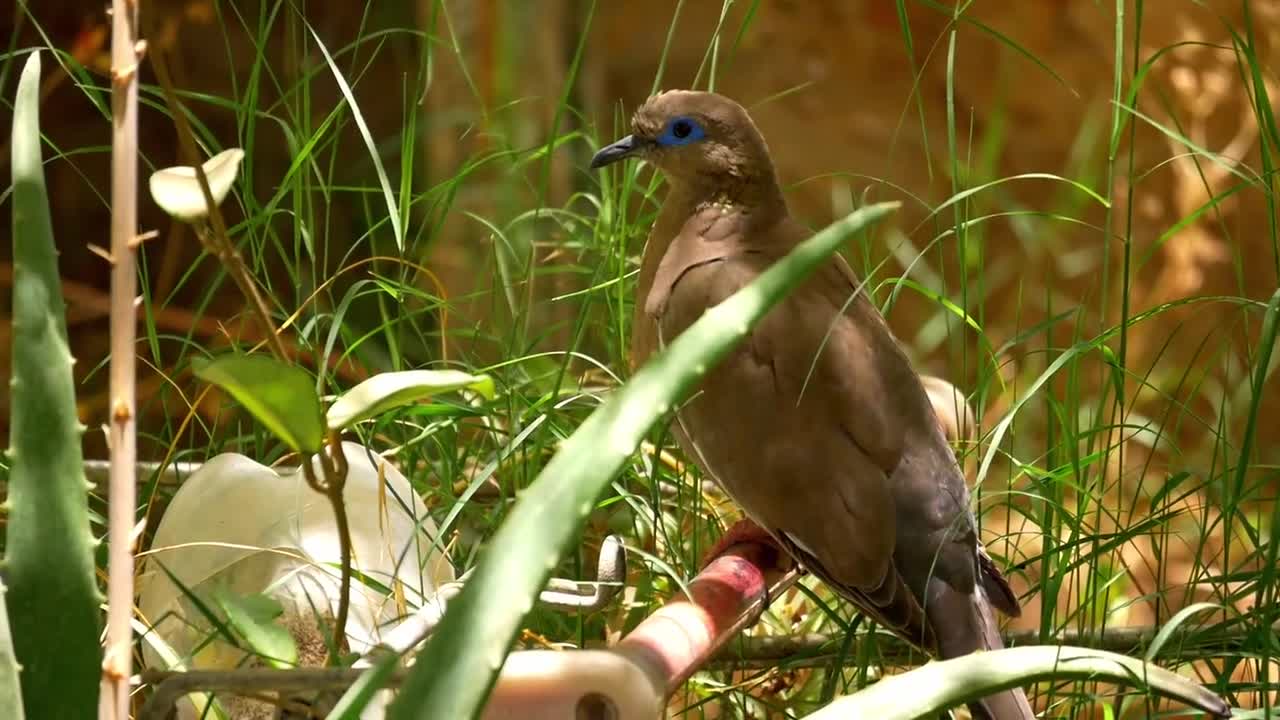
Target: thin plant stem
[221, 248]
[336, 468]
[213, 235]
[335, 476]
[126, 52]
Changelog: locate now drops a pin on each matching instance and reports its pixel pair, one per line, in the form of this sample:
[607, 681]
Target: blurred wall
[834, 89]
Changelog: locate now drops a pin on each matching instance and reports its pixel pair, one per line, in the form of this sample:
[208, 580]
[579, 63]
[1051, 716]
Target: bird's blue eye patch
[681, 130]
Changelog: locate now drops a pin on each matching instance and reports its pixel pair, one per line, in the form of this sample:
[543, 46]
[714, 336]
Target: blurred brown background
[834, 89]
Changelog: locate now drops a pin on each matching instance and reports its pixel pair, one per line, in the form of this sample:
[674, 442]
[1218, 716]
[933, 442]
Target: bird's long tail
[1007, 705]
[966, 623]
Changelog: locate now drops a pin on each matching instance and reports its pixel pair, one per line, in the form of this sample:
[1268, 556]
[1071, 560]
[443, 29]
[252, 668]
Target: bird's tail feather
[1008, 704]
[966, 623]
[999, 594]
[892, 604]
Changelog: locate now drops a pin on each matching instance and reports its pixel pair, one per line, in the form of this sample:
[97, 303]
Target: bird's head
[693, 137]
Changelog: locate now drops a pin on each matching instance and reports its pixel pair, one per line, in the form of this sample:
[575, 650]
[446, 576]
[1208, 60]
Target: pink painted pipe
[632, 680]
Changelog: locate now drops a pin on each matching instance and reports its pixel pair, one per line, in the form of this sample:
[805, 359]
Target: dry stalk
[126, 54]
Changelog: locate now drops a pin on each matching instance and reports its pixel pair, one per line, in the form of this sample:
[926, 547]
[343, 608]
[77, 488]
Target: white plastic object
[243, 526]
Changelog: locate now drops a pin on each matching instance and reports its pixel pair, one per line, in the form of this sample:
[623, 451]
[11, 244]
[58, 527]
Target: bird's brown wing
[787, 457]
[934, 481]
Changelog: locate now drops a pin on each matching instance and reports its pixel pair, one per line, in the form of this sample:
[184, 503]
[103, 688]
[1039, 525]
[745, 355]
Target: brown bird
[816, 425]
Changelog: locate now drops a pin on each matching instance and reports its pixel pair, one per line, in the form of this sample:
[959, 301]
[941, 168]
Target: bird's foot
[757, 555]
[747, 531]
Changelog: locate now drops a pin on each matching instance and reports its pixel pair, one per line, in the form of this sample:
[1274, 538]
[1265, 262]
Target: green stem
[335, 481]
[225, 251]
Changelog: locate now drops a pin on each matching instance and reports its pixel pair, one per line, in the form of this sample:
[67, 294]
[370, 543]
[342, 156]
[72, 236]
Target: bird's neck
[684, 200]
[760, 195]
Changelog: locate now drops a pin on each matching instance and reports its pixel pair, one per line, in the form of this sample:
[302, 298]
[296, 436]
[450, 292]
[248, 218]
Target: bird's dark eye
[681, 129]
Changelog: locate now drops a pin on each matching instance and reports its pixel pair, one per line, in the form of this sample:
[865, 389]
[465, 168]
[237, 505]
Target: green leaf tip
[53, 600]
[391, 390]
[280, 396]
[254, 617]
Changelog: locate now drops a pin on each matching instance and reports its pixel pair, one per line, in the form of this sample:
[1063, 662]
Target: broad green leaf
[455, 672]
[253, 616]
[391, 390]
[53, 597]
[282, 397]
[930, 689]
[177, 189]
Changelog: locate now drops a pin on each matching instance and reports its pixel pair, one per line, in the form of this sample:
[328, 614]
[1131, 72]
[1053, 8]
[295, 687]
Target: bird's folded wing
[892, 604]
[706, 237]
[844, 530]
[831, 364]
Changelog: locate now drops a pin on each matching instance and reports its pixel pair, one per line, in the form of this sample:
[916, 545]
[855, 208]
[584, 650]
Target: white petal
[177, 191]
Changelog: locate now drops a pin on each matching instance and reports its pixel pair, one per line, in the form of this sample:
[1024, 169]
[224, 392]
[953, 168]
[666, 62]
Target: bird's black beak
[620, 149]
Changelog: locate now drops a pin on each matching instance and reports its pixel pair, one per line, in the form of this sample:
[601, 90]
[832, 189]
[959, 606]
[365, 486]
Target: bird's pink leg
[746, 531]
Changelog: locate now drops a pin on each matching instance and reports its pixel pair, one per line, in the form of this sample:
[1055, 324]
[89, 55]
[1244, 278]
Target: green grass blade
[393, 212]
[1173, 625]
[457, 669]
[53, 600]
[357, 697]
